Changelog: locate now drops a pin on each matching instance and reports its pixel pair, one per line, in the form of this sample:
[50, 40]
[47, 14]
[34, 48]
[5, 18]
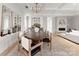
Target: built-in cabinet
[10, 22]
[10, 25]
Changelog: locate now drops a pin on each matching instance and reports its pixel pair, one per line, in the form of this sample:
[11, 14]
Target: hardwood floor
[11, 50]
[60, 47]
[71, 47]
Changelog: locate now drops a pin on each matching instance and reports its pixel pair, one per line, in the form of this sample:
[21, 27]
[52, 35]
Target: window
[6, 23]
[49, 24]
[5, 20]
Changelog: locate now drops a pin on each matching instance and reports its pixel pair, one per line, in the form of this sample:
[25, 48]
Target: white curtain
[41, 21]
[5, 23]
[27, 23]
[49, 24]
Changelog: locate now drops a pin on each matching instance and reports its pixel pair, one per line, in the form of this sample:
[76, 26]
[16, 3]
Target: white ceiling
[50, 8]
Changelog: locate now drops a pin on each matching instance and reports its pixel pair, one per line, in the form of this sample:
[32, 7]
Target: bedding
[72, 36]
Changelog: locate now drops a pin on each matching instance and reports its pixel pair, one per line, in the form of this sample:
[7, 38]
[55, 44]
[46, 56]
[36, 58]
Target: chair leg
[29, 53]
[29, 47]
[22, 51]
[50, 45]
[41, 49]
[18, 48]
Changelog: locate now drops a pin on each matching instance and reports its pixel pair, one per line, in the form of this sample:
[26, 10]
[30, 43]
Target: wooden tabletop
[31, 34]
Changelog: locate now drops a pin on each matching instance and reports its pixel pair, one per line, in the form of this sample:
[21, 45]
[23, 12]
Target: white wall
[53, 24]
[73, 22]
[13, 8]
[70, 22]
[43, 21]
[49, 24]
[26, 20]
[0, 15]
[76, 22]
[7, 40]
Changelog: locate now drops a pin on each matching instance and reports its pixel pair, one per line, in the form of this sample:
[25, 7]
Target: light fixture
[36, 8]
[26, 6]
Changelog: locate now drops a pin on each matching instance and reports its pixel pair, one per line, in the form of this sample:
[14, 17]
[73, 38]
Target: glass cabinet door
[16, 23]
[19, 23]
[11, 22]
[5, 20]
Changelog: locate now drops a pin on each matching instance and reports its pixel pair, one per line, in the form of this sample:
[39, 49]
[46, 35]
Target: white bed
[71, 36]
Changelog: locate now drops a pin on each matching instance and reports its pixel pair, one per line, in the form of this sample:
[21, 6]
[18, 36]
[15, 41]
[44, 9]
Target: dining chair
[48, 38]
[19, 39]
[27, 45]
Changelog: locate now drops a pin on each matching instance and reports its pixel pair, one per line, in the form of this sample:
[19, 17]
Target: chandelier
[36, 8]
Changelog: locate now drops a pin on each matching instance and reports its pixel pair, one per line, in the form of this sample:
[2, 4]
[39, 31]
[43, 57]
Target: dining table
[36, 37]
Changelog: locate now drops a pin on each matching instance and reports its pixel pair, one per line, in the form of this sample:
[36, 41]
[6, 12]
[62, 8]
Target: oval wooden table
[36, 37]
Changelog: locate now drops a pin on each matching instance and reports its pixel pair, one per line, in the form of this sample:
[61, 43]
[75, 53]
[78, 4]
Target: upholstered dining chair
[20, 34]
[48, 39]
[26, 44]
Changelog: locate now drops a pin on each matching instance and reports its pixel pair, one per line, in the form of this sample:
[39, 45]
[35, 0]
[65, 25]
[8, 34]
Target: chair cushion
[46, 40]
